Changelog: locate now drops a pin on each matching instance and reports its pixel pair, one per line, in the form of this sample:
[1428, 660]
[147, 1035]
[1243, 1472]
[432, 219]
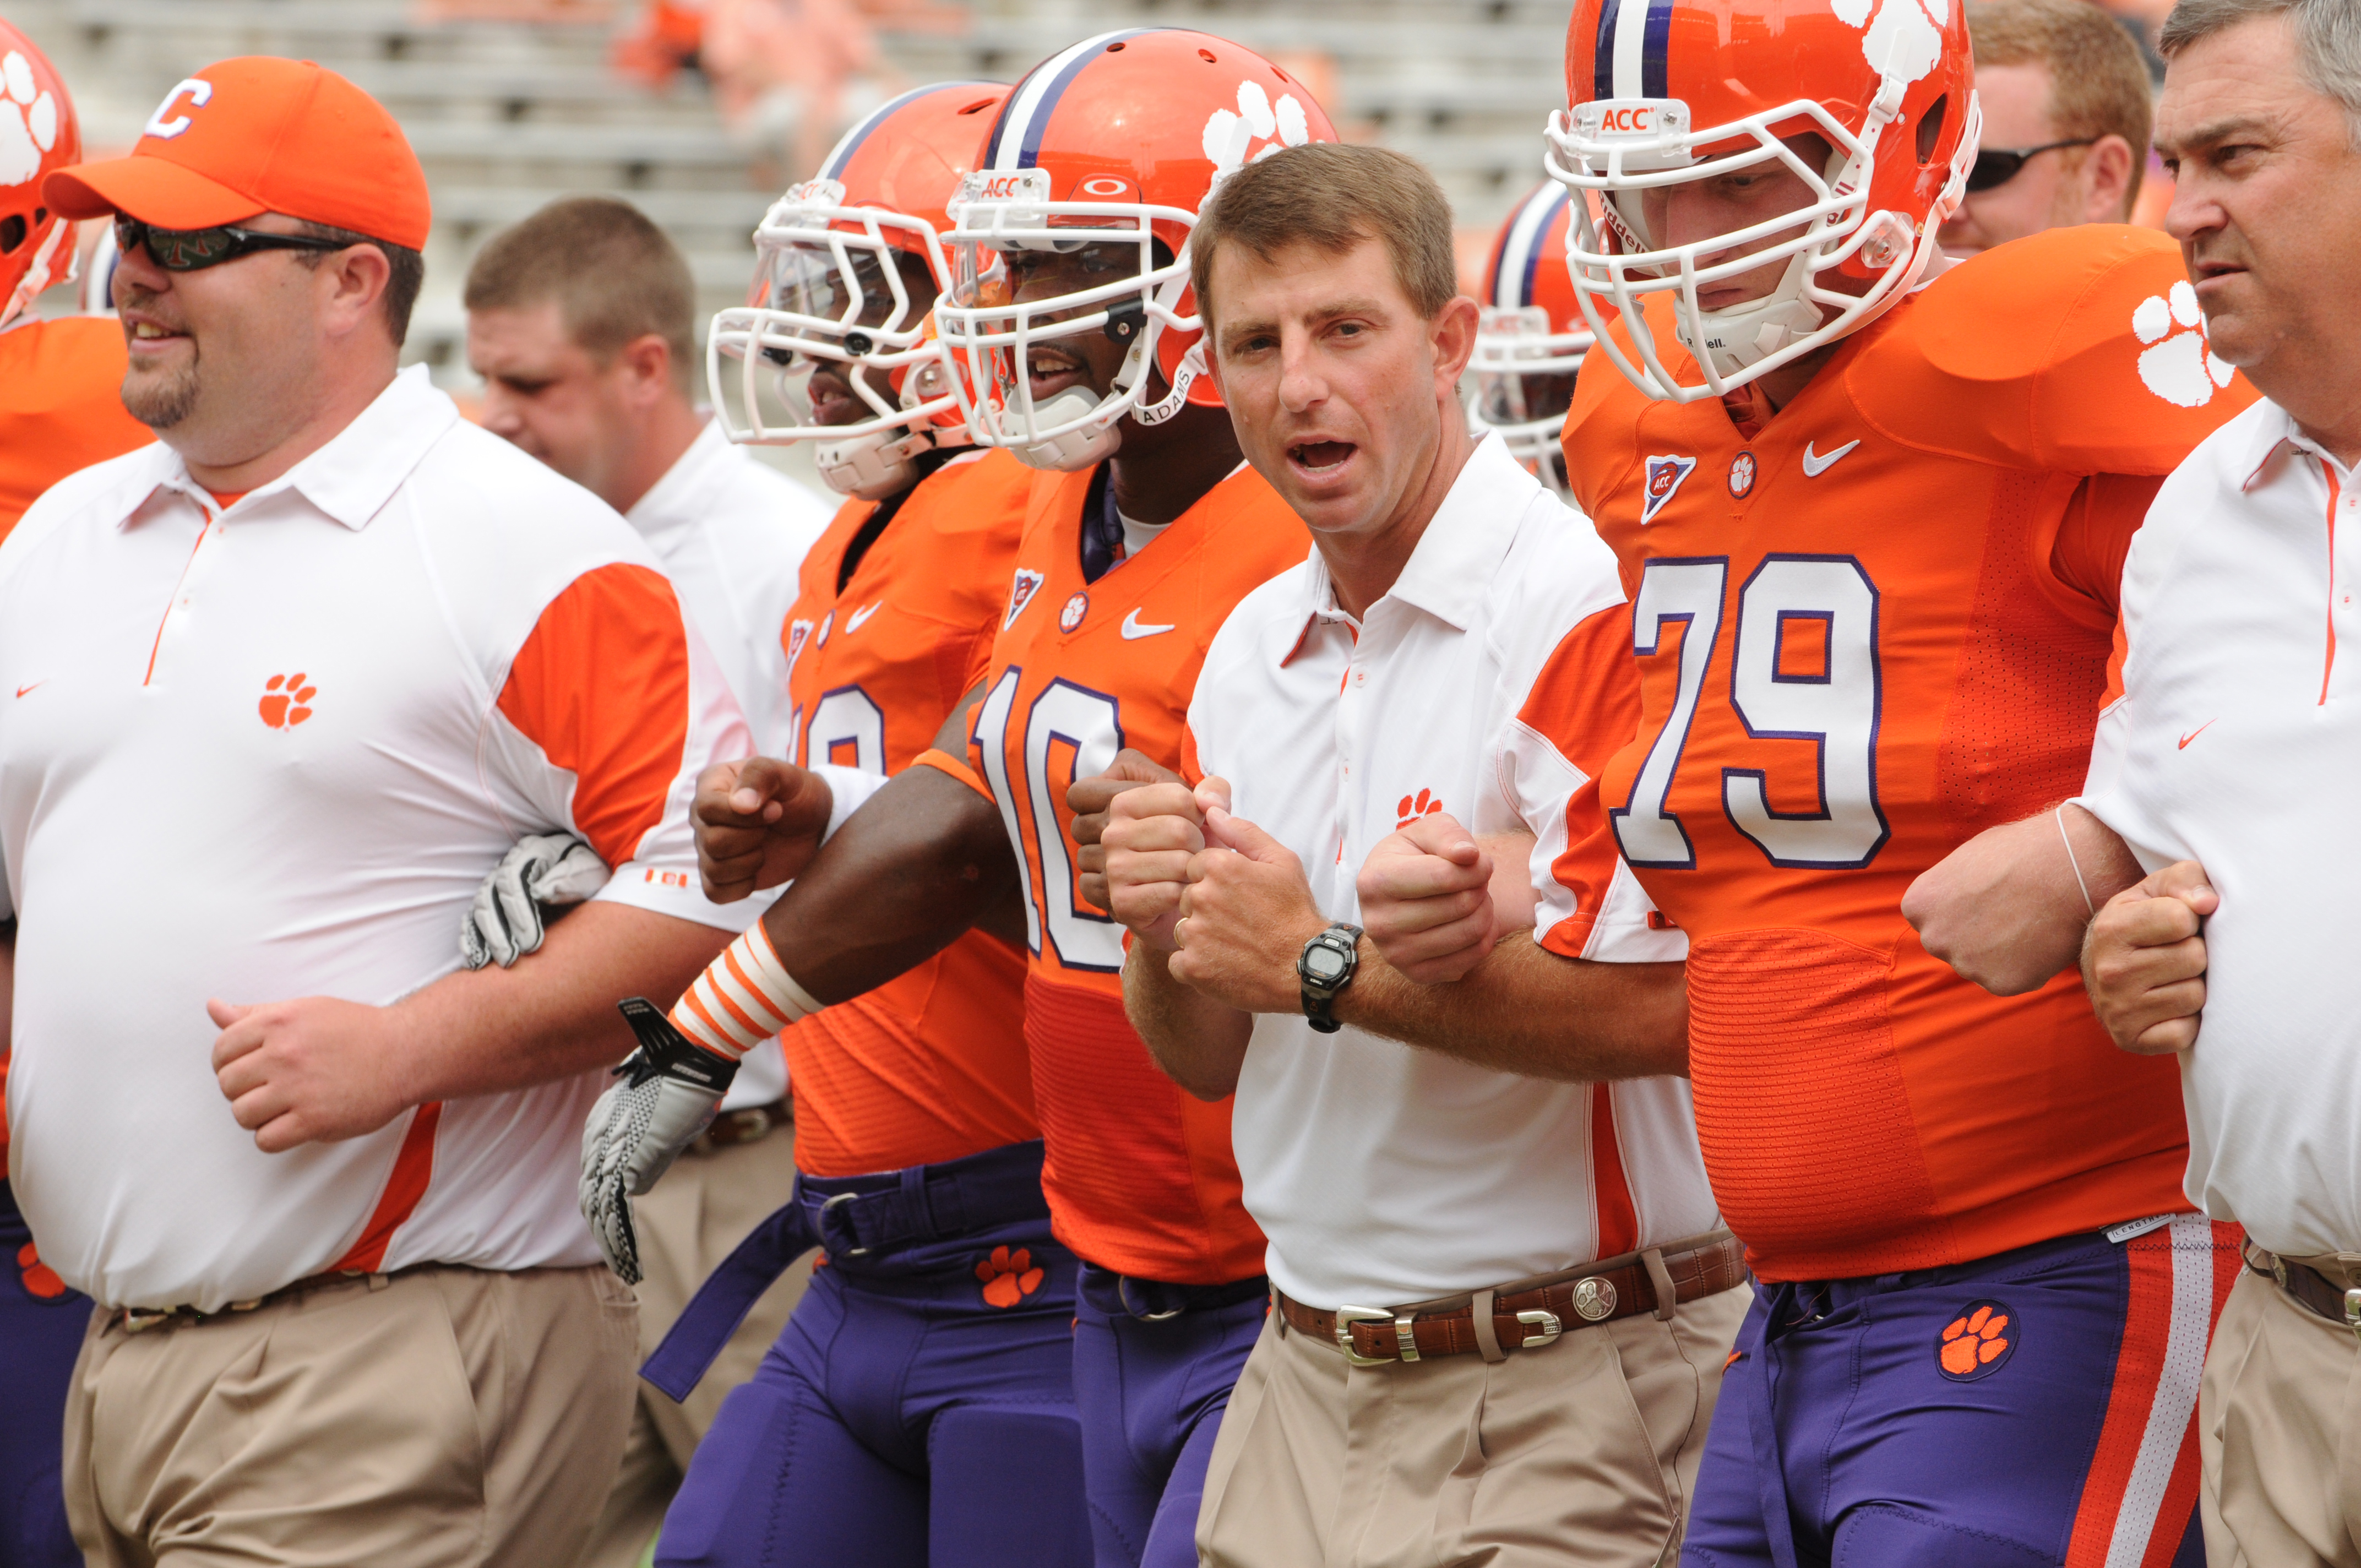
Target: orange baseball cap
[258, 134]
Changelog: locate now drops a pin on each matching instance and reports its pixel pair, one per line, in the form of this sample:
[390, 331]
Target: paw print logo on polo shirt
[1008, 1276]
[287, 701]
[1423, 804]
[1977, 1343]
[2178, 365]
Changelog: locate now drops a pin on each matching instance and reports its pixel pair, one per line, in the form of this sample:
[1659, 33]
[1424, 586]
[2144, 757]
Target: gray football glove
[506, 921]
[665, 1095]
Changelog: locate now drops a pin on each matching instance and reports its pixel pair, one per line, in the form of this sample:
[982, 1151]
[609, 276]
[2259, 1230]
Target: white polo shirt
[271, 752]
[733, 534]
[1381, 1173]
[2236, 744]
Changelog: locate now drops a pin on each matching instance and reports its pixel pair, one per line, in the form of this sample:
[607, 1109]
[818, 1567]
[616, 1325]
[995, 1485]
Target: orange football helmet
[1530, 337]
[38, 133]
[1111, 144]
[1669, 92]
[847, 265]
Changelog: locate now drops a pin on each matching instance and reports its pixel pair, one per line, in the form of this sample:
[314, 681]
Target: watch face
[1325, 963]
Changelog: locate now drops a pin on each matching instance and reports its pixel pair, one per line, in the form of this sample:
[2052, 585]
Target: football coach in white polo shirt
[280, 691]
[1476, 1249]
[2218, 836]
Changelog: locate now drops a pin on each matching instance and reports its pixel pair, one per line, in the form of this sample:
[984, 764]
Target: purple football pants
[1154, 1364]
[1995, 1414]
[918, 1408]
[40, 1336]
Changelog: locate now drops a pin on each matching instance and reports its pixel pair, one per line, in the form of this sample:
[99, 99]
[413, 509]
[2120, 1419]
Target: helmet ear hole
[1930, 129]
[12, 232]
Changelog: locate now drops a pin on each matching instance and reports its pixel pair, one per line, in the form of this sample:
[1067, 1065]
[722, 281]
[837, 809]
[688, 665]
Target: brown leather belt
[2312, 1289]
[748, 1124]
[1526, 1314]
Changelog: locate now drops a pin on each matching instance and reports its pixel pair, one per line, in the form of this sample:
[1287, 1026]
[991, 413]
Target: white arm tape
[850, 789]
[743, 998]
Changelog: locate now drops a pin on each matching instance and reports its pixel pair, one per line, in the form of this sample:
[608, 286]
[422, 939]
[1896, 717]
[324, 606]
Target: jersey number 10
[1062, 715]
[1835, 708]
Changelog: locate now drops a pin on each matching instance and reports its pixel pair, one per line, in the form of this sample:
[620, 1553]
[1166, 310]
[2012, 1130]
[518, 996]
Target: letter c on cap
[196, 90]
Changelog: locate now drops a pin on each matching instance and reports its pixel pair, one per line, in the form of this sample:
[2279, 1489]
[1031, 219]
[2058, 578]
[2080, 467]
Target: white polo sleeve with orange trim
[271, 752]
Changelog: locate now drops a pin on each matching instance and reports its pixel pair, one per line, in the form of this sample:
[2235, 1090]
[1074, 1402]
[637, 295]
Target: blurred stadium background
[702, 111]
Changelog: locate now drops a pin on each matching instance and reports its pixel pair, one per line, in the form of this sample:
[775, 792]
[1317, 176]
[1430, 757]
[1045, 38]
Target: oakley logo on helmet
[29, 121]
[1228, 137]
[196, 90]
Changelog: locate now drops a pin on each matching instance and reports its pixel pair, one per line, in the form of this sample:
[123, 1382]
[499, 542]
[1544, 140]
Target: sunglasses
[187, 250]
[1993, 168]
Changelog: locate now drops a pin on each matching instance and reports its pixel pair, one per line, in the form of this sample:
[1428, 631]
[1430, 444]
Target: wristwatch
[1325, 967]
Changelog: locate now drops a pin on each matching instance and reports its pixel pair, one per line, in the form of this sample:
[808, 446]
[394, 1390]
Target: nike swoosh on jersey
[1133, 631]
[852, 622]
[35, 687]
[2193, 734]
[1814, 465]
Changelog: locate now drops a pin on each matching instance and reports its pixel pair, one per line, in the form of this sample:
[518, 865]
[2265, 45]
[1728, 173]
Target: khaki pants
[2278, 1431]
[1581, 1451]
[702, 1208]
[441, 1418]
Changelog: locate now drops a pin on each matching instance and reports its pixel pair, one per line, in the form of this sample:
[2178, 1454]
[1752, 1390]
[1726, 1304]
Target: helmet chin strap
[1747, 334]
[871, 468]
[1076, 449]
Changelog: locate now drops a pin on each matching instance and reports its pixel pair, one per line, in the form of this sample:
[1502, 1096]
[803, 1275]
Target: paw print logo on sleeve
[1977, 1343]
[1423, 804]
[287, 701]
[2178, 365]
[1229, 137]
[29, 120]
[1008, 1276]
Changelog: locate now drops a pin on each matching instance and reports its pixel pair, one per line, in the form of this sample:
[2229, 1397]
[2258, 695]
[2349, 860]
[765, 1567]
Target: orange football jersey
[1139, 1176]
[930, 1066]
[1866, 631]
[61, 406]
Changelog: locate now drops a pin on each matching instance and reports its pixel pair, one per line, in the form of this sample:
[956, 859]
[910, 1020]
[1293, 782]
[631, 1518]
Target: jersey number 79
[1835, 706]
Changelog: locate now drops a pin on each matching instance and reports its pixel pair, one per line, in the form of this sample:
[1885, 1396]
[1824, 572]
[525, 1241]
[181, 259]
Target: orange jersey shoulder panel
[1140, 1176]
[1855, 650]
[61, 406]
[931, 1066]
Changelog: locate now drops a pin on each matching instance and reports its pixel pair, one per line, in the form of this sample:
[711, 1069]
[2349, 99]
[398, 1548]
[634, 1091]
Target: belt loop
[1488, 1333]
[1277, 1315]
[914, 1202]
[1668, 1297]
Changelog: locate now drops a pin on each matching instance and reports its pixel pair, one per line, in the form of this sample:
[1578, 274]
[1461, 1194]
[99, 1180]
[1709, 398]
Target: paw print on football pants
[1413, 807]
[1008, 1276]
[286, 701]
[1976, 1342]
[40, 1281]
[2178, 365]
[29, 120]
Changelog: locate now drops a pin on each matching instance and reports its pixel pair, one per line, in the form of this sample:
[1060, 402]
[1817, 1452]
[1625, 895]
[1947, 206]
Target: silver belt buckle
[2353, 1311]
[1547, 1323]
[1345, 1318]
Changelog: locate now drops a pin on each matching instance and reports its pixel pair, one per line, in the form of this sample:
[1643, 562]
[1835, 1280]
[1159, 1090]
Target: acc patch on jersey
[1020, 593]
[1977, 1343]
[1664, 476]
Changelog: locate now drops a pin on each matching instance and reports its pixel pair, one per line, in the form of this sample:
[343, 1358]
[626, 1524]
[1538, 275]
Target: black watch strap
[1325, 967]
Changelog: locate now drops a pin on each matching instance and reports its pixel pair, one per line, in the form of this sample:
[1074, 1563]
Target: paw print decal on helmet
[1904, 38]
[2178, 364]
[1228, 137]
[29, 120]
